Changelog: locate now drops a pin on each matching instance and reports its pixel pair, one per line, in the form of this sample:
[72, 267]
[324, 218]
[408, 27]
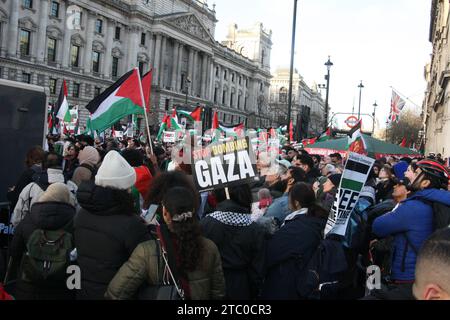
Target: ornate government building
[91, 43]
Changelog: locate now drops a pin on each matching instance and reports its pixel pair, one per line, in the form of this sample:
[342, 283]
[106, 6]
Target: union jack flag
[397, 105]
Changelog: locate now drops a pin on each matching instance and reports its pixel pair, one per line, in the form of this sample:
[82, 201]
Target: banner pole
[227, 193]
[145, 112]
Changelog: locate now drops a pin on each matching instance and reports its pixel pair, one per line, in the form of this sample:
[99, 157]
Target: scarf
[232, 218]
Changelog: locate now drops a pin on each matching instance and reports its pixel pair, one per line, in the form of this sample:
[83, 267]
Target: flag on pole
[147, 88]
[62, 106]
[356, 141]
[121, 99]
[325, 135]
[196, 115]
[163, 127]
[403, 143]
[397, 105]
[291, 131]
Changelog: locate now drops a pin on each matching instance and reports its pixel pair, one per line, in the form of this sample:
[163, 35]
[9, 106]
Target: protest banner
[357, 169]
[226, 164]
[169, 136]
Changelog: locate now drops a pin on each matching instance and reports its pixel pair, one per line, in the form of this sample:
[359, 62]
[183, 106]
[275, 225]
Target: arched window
[282, 97]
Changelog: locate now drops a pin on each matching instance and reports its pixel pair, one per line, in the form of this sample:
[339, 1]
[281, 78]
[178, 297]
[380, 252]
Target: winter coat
[289, 248]
[413, 219]
[45, 216]
[313, 175]
[241, 244]
[69, 167]
[146, 265]
[105, 237]
[25, 178]
[32, 192]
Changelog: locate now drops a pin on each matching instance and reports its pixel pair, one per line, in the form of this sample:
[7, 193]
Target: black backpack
[321, 277]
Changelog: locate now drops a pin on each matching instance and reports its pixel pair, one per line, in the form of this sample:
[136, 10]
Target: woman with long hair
[195, 259]
[293, 244]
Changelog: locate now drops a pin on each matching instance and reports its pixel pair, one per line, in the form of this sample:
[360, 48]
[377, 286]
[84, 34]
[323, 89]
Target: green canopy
[375, 148]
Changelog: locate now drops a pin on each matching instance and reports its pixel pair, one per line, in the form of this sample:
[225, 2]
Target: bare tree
[408, 127]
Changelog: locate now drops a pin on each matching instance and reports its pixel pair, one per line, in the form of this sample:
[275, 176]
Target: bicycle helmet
[435, 169]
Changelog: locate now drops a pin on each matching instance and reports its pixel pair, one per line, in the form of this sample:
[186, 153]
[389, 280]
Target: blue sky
[384, 43]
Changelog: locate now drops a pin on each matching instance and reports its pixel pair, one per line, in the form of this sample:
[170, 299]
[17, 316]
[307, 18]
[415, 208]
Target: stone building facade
[91, 43]
[306, 102]
[436, 106]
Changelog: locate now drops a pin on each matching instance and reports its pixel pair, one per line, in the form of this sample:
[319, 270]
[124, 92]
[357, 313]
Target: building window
[117, 35]
[143, 38]
[215, 95]
[245, 103]
[261, 87]
[96, 61]
[98, 26]
[239, 102]
[167, 104]
[263, 53]
[217, 71]
[52, 85]
[225, 74]
[25, 42]
[223, 96]
[75, 56]
[27, 3]
[141, 67]
[240, 80]
[97, 91]
[182, 84]
[283, 95]
[115, 67]
[54, 10]
[232, 77]
[231, 99]
[78, 18]
[76, 90]
[51, 50]
[26, 77]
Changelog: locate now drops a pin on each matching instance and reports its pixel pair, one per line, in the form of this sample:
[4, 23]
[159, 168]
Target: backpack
[321, 277]
[47, 256]
[92, 169]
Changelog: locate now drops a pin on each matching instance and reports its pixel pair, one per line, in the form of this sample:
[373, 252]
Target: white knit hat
[115, 172]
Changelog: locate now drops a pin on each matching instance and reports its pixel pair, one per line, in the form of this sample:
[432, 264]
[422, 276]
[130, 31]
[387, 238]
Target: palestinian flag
[62, 106]
[50, 119]
[325, 136]
[291, 131]
[356, 141]
[172, 122]
[121, 99]
[307, 142]
[147, 88]
[233, 130]
[163, 127]
[215, 122]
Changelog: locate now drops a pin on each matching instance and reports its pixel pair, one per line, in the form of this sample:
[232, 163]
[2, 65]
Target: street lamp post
[328, 64]
[359, 108]
[291, 71]
[387, 123]
[373, 114]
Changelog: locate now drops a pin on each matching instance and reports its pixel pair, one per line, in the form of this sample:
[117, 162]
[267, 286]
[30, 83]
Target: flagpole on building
[145, 111]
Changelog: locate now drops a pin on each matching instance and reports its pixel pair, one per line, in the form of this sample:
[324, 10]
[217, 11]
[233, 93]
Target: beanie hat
[58, 192]
[335, 179]
[115, 172]
[400, 168]
[89, 155]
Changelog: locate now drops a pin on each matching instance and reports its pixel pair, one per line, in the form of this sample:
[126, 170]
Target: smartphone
[149, 215]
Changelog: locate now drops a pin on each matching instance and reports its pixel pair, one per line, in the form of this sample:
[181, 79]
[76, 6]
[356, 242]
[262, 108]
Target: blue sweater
[413, 218]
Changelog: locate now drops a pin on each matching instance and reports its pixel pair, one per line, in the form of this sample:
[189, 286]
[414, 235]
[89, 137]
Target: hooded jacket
[413, 219]
[33, 191]
[45, 216]
[290, 247]
[241, 244]
[105, 237]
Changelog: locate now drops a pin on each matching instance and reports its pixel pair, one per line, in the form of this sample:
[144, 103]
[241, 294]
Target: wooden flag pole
[145, 112]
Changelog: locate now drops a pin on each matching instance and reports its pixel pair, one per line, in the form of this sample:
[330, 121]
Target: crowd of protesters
[251, 241]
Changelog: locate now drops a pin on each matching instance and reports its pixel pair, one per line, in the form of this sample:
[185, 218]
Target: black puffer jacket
[242, 249]
[105, 237]
[45, 216]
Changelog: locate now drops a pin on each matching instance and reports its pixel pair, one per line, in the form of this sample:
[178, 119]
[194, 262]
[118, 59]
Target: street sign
[351, 121]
